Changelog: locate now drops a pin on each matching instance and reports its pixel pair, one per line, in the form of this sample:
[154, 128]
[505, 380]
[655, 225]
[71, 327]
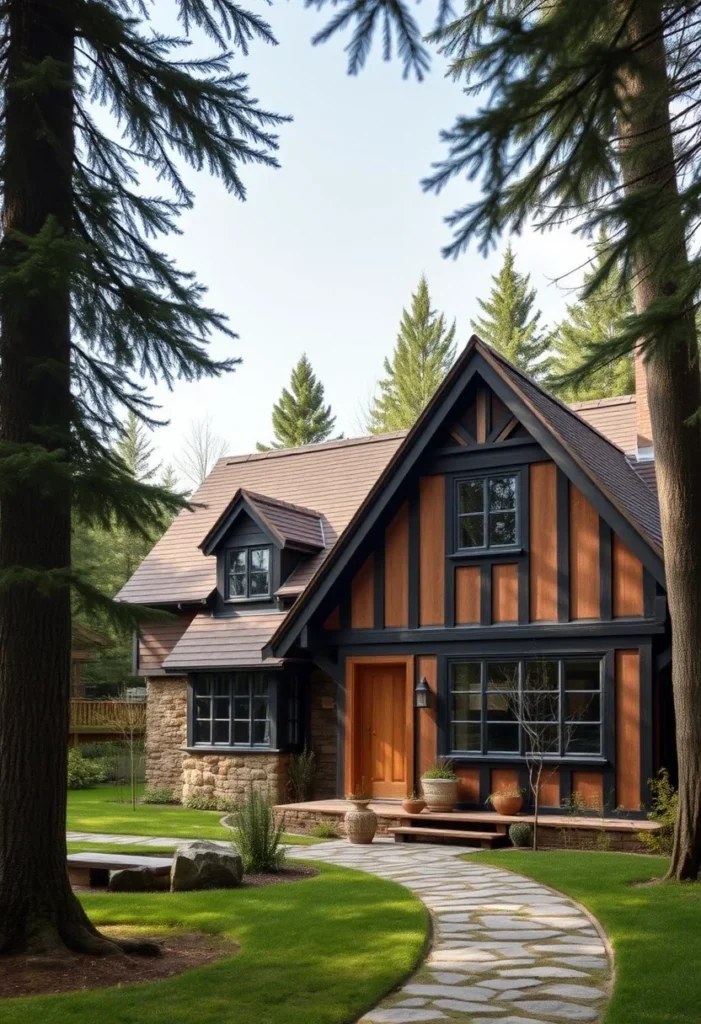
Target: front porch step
[487, 840]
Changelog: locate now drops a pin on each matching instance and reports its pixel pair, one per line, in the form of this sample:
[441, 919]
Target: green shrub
[256, 835]
[324, 830]
[208, 803]
[83, 772]
[664, 810]
[521, 834]
[302, 770]
[440, 770]
[158, 796]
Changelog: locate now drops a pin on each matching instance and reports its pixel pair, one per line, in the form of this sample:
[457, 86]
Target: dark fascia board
[239, 503]
[561, 455]
[472, 363]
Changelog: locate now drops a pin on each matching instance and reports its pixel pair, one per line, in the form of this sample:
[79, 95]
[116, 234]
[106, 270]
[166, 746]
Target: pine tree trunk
[674, 394]
[38, 911]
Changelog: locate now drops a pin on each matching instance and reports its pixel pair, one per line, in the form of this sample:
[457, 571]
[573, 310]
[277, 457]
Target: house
[505, 539]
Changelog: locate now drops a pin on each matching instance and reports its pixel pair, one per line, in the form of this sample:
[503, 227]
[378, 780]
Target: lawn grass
[655, 930]
[320, 951]
[108, 809]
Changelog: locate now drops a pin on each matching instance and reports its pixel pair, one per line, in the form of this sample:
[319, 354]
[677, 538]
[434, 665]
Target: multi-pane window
[501, 707]
[232, 710]
[247, 573]
[293, 712]
[487, 512]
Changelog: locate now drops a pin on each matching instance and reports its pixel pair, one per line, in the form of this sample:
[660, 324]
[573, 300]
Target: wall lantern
[422, 694]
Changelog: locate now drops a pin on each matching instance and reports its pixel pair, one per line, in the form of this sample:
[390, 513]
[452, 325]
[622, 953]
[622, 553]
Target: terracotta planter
[361, 822]
[440, 794]
[507, 804]
[413, 806]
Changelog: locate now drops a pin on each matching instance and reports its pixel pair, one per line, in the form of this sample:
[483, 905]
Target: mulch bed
[25, 975]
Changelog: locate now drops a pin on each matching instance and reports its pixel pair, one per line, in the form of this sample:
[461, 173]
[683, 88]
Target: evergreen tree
[135, 449]
[89, 308]
[509, 323]
[423, 354]
[596, 319]
[577, 124]
[300, 417]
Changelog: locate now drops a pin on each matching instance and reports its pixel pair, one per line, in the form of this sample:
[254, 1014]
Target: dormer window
[247, 573]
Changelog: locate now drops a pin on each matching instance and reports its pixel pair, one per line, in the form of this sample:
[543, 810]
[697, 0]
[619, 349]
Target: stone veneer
[231, 776]
[166, 733]
[323, 733]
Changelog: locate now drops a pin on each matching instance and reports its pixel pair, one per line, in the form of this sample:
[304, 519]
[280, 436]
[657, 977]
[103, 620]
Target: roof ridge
[597, 403]
[304, 449]
[258, 496]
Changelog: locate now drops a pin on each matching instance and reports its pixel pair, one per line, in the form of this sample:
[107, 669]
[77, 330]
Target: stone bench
[94, 869]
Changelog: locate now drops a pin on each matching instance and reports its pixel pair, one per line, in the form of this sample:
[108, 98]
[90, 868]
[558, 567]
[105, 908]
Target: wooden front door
[381, 724]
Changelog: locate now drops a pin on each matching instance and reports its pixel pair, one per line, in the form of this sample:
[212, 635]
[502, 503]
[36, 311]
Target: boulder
[137, 880]
[204, 865]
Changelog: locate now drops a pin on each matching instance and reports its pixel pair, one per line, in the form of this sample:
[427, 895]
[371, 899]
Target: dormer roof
[287, 525]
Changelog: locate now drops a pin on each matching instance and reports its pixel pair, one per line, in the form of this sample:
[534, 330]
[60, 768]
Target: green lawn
[655, 930]
[107, 809]
[321, 951]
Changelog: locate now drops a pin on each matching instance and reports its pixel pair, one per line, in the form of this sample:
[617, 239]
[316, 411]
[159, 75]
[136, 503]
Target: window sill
[204, 749]
[470, 553]
[248, 600]
[551, 759]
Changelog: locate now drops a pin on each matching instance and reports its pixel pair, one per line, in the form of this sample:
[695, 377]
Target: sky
[325, 252]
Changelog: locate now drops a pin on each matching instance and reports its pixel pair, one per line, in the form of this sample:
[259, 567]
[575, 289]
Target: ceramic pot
[440, 794]
[413, 806]
[361, 822]
[509, 805]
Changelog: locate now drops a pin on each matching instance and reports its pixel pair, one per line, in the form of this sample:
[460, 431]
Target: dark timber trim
[485, 594]
[605, 571]
[649, 592]
[563, 547]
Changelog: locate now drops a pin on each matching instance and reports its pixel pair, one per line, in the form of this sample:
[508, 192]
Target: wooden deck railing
[107, 715]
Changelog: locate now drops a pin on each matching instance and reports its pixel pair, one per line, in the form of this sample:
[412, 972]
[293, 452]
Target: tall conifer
[509, 323]
[89, 309]
[422, 356]
[300, 416]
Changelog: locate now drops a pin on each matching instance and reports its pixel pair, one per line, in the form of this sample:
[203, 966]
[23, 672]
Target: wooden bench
[93, 869]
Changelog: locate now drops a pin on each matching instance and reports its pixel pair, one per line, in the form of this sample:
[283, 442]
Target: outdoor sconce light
[422, 694]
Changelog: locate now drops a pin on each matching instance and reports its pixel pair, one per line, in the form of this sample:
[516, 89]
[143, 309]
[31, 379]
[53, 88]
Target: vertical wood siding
[468, 785]
[397, 569]
[543, 542]
[431, 550]
[589, 787]
[481, 410]
[333, 622]
[628, 730]
[627, 581]
[363, 596]
[503, 778]
[467, 595]
[427, 726]
[549, 789]
[505, 593]
[585, 596]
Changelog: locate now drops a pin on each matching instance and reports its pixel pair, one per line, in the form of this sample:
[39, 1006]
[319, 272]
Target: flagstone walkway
[505, 950]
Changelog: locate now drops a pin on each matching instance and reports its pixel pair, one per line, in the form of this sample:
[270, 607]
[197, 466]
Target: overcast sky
[327, 249]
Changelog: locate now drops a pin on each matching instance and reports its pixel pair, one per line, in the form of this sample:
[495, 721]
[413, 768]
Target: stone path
[100, 837]
[506, 950]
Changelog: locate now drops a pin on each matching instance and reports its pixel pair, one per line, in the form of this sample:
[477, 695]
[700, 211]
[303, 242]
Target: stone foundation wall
[166, 733]
[323, 713]
[229, 777]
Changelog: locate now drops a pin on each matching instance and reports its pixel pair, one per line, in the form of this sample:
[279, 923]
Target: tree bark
[674, 393]
[38, 910]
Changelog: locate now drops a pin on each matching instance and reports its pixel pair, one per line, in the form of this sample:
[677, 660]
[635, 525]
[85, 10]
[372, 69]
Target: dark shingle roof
[233, 642]
[615, 418]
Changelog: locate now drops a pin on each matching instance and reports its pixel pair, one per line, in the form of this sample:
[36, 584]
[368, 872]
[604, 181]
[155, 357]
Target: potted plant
[440, 786]
[508, 800]
[361, 821]
[413, 803]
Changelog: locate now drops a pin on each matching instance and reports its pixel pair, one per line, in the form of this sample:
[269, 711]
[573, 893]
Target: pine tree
[423, 354]
[508, 322]
[595, 320]
[300, 416]
[577, 124]
[89, 309]
[136, 450]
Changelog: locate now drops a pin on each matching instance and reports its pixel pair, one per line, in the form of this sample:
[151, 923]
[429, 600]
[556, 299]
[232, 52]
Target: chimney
[642, 410]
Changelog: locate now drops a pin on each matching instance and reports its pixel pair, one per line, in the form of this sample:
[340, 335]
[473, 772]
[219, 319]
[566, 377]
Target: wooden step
[487, 840]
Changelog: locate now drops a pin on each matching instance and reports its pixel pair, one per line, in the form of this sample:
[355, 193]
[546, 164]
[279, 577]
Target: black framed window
[506, 707]
[487, 511]
[233, 710]
[247, 573]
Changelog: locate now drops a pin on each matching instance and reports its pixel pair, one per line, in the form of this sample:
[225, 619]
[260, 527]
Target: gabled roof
[595, 464]
[332, 478]
[286, 524]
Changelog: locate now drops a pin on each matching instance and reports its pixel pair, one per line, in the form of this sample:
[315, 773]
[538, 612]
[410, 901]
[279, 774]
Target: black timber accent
[458, 428]
[344, 608]
[605, 572]
[414, 541]
[524, 567]
[485, 594]
[608, 710]
[649, 592]
[469, 459]
[485, 782]
[563, 547]
[646, 724]
[379, 587]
